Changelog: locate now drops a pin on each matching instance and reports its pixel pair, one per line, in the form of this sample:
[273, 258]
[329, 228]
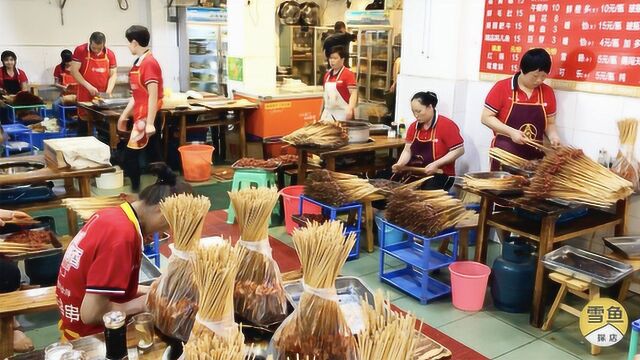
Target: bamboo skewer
[337, 189]
[626, 165]
[324, 134]
[318, 327]
[173, 298]
[259, 295]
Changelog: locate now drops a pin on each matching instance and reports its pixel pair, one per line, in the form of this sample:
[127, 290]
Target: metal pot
[358, 131]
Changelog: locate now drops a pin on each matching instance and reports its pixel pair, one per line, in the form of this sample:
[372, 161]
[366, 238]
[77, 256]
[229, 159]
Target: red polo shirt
[58, 71]
[500, 97]
[81, 53]
[17, 75]
[445, 135]
[345, 81]
[103, 258]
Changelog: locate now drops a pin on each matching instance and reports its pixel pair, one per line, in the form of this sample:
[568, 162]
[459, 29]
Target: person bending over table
[99, 271]
[433, 143]
[522, 107]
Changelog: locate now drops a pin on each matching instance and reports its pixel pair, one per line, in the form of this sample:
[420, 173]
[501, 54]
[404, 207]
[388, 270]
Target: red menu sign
[594, 44]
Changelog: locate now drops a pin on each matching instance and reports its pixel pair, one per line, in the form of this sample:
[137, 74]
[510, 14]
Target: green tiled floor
[491, 332]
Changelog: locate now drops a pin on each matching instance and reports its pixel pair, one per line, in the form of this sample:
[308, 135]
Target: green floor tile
[537, 350]
[486, 334]
[436, 313]
[43, 336]
[373, 282]
[521, 321]
[571, 340]
[364, 265]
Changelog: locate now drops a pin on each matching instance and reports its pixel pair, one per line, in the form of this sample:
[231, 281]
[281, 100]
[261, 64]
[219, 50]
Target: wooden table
[329, 156]
[18, 303]
[47, 173]
[103, 120]
[199, 107]
[546, 231]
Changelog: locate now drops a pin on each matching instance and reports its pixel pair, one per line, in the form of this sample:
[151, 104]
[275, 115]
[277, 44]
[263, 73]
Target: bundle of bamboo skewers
[506, 158]
[425, 212]
[626, 164]
[388, 334]
[333, 188]
[86, 207]
[321, 134]
[510, 182]
[567, 173]
[318, 327]
[215, 335]
[173, 298]
[259, 296]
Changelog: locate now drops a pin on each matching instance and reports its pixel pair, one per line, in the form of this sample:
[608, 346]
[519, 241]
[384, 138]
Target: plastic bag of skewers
[259, 295]
[173, 297]
[215, 334]
[626, 165]
[317, 328]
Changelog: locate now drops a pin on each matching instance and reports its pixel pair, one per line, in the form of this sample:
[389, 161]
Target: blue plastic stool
[633, 343]
[18, 131]
[246, 178]
[152, 251]
[62, 116]
[333, 213]
[11, 110]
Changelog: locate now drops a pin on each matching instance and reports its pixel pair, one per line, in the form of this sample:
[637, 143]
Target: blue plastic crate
[39, 138]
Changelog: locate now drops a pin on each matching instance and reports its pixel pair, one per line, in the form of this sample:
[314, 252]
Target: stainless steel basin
[17, 167]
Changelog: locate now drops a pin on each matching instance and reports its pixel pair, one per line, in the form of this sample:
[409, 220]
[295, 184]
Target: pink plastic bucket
[468, 284]
[291, 198]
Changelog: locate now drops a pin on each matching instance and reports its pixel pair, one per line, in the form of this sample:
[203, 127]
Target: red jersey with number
[103, 258]
[500, 98]
[444, 135]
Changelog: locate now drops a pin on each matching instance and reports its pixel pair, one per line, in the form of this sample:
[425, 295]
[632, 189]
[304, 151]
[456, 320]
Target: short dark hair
[426, 98]
[7, 54]
[98, 38]
[166, 185]
[535, 59]
[340, 50]
[138, 33]
[339, 25]
[65, 57]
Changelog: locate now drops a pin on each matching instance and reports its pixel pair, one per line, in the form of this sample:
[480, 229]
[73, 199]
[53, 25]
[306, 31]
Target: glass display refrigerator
[202, 42]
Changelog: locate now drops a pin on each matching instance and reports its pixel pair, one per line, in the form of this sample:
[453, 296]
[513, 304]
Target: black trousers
[133, 161]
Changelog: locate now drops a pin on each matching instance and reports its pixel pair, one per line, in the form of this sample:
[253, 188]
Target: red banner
[591, 41]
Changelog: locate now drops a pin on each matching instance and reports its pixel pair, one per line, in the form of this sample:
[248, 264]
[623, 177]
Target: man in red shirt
[145, 79]
[100, 269]
[340, 90]
[94, 68]
[522, 107]
[433, 141]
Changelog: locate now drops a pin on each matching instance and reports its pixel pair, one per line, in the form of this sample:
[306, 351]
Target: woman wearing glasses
[433, 143]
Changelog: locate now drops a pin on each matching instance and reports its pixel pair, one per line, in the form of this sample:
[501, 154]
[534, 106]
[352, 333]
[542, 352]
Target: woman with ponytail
[99, 272]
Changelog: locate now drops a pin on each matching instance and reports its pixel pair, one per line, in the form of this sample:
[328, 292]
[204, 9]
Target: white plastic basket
[112, 180]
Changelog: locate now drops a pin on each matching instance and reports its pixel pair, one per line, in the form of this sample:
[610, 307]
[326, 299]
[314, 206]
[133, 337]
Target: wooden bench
[18, 303]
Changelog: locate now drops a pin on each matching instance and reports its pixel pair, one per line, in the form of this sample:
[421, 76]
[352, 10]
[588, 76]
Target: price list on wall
[594, 44]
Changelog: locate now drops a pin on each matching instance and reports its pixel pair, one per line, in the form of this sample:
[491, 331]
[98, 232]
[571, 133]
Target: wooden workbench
[546, 231]
[211, 107]
[329, 156]
[103, 120]
[48, 173]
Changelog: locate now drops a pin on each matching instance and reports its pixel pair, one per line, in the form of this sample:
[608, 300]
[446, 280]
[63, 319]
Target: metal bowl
[489, 174]
[17, 167]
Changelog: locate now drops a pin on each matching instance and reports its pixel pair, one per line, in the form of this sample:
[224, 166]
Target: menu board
[594, 44]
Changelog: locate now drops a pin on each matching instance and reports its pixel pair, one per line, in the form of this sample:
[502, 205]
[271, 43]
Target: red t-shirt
[345, 81]
[500, 97]
[445, 135]
[81, 53]
[17, 75]
[103, 258]
[58, 71]
[145, 71]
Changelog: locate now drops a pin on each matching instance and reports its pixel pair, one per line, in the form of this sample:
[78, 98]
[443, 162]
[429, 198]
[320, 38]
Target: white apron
[335, 108]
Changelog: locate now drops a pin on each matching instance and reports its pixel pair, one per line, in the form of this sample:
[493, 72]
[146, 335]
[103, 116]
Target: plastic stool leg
[156, 248]
[633, 345]
[231, 215]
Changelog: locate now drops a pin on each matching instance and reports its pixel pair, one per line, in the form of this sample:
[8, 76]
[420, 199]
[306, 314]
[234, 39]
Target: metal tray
[518, 171]
[586, 266]
[148, 271]
[350, 291]
[495, 175]
[235, 166]
[627, 246]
